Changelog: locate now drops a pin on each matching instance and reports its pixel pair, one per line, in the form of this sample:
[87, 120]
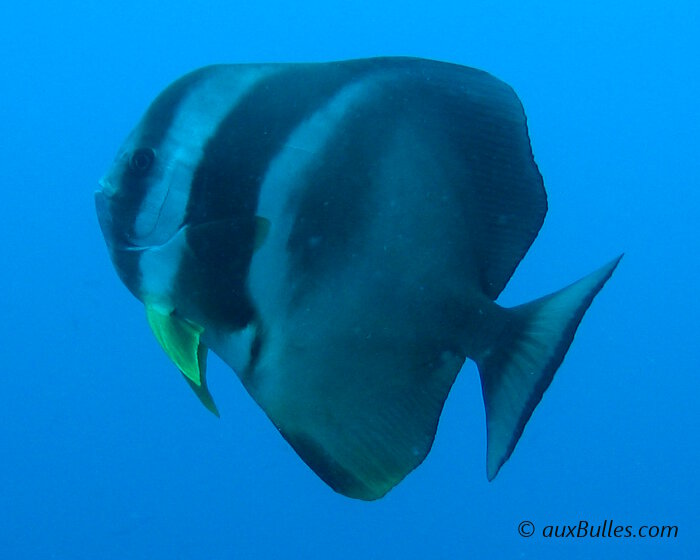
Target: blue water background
[104, 451]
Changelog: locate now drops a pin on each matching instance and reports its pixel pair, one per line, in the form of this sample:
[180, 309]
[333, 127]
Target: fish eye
[141, 160]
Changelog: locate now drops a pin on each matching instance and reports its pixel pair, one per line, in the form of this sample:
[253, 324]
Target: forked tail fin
[519, 367]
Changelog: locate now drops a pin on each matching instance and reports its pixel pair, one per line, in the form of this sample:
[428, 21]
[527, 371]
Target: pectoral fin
[180, 339]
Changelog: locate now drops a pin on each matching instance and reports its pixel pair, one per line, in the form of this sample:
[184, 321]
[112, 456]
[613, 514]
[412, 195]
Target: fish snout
[104, 217]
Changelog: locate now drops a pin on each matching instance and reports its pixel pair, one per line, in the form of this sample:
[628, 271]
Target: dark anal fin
[518, 368]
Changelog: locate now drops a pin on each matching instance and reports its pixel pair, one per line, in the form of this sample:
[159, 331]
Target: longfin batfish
[338, 233]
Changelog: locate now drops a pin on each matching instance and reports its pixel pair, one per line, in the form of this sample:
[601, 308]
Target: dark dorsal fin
[504, 192]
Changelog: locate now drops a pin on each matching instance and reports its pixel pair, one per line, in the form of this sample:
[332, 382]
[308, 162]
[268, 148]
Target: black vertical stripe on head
[160, 115]
[152, 132]
[226, 184]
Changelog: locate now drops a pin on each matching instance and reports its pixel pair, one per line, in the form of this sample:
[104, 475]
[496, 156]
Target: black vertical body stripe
[227, 181]
[226, 184]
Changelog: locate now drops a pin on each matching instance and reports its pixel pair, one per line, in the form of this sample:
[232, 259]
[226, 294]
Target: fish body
[338, 234]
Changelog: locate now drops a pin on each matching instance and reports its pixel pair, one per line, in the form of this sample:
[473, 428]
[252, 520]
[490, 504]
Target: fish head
[142, 199]
[139, 203]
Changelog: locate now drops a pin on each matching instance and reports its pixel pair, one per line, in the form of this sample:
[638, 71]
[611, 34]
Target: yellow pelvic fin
[180, 340]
